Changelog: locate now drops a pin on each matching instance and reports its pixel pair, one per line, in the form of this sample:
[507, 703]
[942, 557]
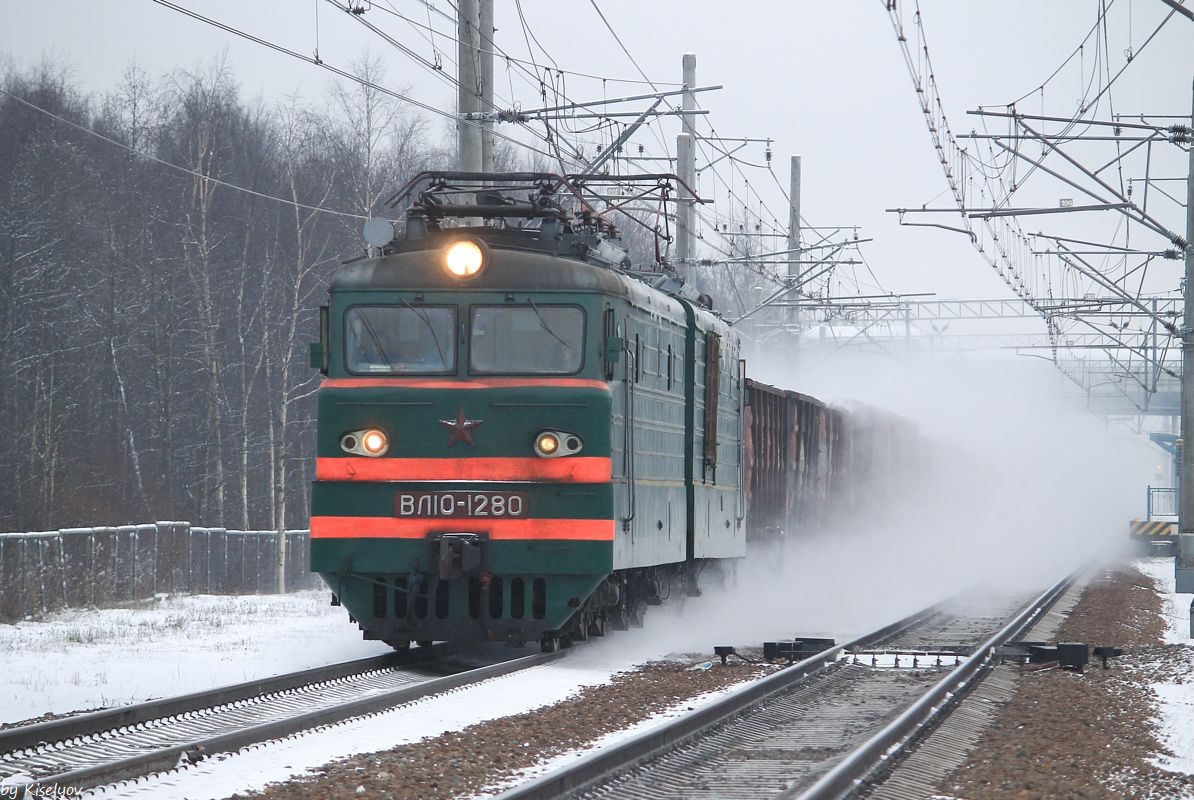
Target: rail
[148, 759]
[61, 730]
[592, 772]
[890, 742]
[606, 763]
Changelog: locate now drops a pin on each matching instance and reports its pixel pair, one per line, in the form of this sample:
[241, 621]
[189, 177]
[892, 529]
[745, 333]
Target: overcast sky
[825, 80]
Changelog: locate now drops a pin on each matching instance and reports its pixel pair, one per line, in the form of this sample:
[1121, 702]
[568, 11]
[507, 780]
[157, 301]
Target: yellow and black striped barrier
[1151, 529]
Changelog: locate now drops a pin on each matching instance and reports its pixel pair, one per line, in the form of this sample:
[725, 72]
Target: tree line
[155, 321]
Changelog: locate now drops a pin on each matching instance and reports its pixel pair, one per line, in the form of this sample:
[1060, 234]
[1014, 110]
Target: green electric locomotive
[520, 438]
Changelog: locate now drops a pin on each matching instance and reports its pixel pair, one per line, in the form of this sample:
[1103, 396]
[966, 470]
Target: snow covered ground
[1176, 700]
[77, 660]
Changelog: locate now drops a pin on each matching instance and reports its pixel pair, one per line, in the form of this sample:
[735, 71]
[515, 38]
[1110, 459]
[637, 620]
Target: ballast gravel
[462, 763]
[1066, 734]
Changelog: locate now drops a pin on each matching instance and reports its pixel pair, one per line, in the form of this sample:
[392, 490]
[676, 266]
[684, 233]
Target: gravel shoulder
[1093, 734]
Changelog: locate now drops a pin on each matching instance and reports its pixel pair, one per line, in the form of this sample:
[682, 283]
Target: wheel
[619, 619]
[549, 643]
[401, 645]
[425, 643]
[636, 614]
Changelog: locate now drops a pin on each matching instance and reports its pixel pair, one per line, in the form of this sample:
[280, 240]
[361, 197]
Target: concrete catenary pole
[688, 99]
[468, 98]
[686, 169]
[794, 241]
[684, 208]
[485, 72]
[1185, 559]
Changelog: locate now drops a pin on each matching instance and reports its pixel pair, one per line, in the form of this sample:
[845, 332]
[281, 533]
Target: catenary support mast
[468, 98]
[686, 168]
[485, 75]
[794, 239]
[1185, 558]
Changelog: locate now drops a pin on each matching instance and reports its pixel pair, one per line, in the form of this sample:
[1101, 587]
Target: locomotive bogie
[515, 608]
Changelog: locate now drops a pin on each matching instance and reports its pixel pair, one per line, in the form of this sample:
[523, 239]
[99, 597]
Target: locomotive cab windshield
[400, 340]
[526, 340]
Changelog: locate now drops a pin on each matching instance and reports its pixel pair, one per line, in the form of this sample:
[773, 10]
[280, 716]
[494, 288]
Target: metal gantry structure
[1112, 291]
[1136, 318]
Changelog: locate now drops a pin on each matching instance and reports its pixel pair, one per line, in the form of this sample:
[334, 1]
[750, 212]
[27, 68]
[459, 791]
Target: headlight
[369, 442]
[553, 444]
[547, 444]
[464, 258]
[375, 442]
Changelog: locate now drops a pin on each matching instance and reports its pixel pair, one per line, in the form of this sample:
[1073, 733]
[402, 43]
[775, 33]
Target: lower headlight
[369, 442]
[547, 444]
[375, 442]
[553, 444]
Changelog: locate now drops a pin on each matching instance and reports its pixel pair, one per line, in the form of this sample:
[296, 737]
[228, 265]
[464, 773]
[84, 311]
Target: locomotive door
[631, 372]
[712, 392]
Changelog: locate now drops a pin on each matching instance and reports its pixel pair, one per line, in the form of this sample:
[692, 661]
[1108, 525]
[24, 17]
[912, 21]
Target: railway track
[134, 741]
[819, 729]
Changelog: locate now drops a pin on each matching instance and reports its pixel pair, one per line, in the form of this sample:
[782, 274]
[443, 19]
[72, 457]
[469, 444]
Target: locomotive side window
[527, 340]
[712, 392]
[400, 340]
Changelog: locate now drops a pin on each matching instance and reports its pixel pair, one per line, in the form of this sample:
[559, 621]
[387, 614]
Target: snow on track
[255, 767]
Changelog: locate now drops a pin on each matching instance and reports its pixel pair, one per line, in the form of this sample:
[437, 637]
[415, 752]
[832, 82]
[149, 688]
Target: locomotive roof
[514, 266]
[418, 265]
[534, 243]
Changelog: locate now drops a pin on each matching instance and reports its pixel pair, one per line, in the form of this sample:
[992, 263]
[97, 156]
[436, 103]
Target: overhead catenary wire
[530, 37]
[992, 180]
[629, 55]
[553, 141]
[636, 66]
[452, 38]
[418, 59]
[546, 79]
[1076, 51]
[338, 71]
[552, 82]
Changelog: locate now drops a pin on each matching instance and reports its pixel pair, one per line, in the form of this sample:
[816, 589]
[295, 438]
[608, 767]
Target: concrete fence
[104, 567]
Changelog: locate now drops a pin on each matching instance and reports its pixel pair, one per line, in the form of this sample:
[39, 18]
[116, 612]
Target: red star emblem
[462, 428]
